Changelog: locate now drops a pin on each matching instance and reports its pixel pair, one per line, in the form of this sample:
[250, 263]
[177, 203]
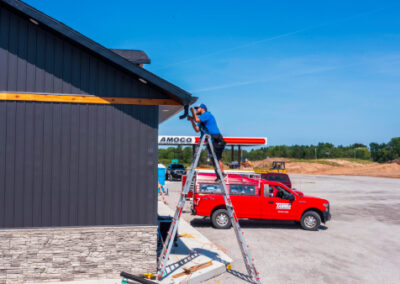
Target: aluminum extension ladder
[163, 259]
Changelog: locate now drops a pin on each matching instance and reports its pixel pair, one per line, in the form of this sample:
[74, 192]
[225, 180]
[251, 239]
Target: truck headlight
[326, 205]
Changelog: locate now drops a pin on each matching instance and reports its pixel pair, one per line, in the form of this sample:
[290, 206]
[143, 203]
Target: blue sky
[297, 72]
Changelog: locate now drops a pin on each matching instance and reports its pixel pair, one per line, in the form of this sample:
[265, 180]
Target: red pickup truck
[278, 177]
[257, 199]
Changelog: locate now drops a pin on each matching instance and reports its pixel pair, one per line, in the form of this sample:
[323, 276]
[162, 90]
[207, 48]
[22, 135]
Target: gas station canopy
[231, 141]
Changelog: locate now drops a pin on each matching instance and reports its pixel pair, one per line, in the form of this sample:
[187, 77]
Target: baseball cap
[203, 106]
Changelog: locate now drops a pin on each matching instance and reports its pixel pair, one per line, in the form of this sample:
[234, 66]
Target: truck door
[276, 204]
[246, 200]
[207, 197]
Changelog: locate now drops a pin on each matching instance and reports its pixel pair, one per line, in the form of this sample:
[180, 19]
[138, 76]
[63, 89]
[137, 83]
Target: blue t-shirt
[209, 122]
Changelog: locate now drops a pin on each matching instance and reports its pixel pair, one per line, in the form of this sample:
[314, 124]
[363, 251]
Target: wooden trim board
[84, 99]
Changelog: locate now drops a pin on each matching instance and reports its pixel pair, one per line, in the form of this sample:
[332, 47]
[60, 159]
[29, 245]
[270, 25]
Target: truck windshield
[278, 178]
[177, 166]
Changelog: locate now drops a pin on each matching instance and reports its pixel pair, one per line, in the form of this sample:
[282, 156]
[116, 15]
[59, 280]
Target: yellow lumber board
[84, 99]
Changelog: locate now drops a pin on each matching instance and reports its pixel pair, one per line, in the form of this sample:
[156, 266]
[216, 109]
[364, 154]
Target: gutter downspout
[185, 114]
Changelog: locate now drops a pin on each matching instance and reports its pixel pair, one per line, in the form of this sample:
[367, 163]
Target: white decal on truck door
[283, 206]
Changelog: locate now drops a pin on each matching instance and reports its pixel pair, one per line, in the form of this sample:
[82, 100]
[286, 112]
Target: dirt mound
[373, 170]
[267, 163]
[397, 161]
[335, 167]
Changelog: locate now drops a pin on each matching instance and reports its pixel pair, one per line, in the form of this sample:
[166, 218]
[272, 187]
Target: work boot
[218, 179]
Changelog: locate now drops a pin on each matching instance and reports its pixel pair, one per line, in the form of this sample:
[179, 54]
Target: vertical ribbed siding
[34, 59]
[76, 165]
[71, 164]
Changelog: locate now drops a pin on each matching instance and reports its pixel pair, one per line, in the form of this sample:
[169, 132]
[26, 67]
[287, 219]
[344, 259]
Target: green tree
[379, 152]
[394, 147]
[187, 155]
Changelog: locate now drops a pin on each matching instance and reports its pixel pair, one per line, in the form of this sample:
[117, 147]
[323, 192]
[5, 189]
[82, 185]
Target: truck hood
[300, 193]
[313, 199]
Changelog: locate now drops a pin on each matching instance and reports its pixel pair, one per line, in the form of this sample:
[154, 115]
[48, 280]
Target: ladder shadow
[215, 257]
[212, 255]
[242, 276]
[196, 252]
[171, 268]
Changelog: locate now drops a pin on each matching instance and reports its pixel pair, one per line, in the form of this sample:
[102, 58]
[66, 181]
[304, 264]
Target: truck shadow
[256, 224]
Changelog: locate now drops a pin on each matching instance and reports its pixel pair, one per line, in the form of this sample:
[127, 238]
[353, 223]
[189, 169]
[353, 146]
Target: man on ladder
[210, 137]
[203, 121]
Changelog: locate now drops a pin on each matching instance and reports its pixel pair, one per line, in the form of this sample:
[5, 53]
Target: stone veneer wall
[66, 254]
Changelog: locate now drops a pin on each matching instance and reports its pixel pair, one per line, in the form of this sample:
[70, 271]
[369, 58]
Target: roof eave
[184, 97]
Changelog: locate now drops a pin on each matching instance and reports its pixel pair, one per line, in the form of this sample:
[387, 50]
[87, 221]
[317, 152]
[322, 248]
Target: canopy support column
[239, 155]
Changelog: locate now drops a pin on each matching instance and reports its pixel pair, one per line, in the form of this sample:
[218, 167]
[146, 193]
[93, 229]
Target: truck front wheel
[310, 221]
[220, 219]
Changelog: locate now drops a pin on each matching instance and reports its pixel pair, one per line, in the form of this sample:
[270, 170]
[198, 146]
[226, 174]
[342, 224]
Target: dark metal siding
[75, 165]
[71, 164]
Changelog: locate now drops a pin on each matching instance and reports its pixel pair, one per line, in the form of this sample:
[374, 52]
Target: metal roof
[181, 95]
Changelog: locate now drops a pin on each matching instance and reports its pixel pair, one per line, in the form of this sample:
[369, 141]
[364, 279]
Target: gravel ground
[361, 243]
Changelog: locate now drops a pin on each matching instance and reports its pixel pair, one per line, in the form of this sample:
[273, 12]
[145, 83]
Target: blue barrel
[161, 174]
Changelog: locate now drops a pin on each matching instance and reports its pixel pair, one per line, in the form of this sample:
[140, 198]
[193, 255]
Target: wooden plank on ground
[188, 271]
